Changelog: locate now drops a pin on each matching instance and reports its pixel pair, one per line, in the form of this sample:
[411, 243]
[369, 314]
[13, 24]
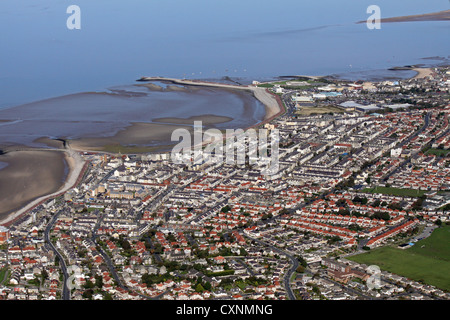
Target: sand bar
[29, 175]
[434, 16]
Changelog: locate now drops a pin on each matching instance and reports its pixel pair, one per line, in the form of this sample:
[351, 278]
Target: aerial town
[362, 166]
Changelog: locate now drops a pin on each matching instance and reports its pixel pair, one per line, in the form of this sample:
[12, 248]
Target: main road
[288, 275]
[65, 295]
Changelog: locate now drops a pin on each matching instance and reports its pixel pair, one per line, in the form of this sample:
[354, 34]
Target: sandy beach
[272, 106]
[33, 176]
[422, 72]
[29, 175]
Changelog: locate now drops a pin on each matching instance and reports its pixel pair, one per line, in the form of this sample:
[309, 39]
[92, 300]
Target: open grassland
[307, 111]
[436, 246]
[396, 191]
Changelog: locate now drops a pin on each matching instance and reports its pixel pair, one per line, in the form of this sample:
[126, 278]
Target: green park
[427, 261]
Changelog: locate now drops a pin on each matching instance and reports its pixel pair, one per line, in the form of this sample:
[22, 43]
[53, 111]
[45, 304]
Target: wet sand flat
[137, 134]
[205, 119]
[97, 115]
[138, 137]
[29, 175]
[272, 107]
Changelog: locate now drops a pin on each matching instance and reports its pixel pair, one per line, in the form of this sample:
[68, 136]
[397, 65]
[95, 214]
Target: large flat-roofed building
[369, 108]
[349, 105]
[298, 98]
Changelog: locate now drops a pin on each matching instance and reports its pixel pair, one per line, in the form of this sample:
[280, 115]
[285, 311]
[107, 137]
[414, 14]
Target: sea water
[120, 41]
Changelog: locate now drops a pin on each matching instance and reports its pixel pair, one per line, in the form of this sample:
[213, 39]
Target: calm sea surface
[120, 41]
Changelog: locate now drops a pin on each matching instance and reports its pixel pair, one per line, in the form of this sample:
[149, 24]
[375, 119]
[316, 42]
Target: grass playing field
[396, 191]
[307, 111]
[427, 261]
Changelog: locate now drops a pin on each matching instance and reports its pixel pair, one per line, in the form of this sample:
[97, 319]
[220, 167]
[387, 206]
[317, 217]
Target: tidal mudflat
[29, 175]
[124, 113]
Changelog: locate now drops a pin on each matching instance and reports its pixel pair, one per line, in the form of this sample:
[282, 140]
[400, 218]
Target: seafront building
[4, 234]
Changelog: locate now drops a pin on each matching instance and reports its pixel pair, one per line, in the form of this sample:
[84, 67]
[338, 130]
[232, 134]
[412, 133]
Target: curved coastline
[272, 105]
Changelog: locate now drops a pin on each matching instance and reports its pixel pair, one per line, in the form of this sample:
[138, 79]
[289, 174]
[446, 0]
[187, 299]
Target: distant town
[363, 167]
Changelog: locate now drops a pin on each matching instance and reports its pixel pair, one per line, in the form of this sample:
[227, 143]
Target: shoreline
[422, 72]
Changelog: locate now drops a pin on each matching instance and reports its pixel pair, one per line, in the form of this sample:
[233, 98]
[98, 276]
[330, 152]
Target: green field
[437, 246]
[396, 191]
[307, 111]
[427, 261]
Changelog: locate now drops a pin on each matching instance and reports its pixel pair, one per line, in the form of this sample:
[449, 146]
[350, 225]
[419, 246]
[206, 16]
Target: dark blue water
[120, 41]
